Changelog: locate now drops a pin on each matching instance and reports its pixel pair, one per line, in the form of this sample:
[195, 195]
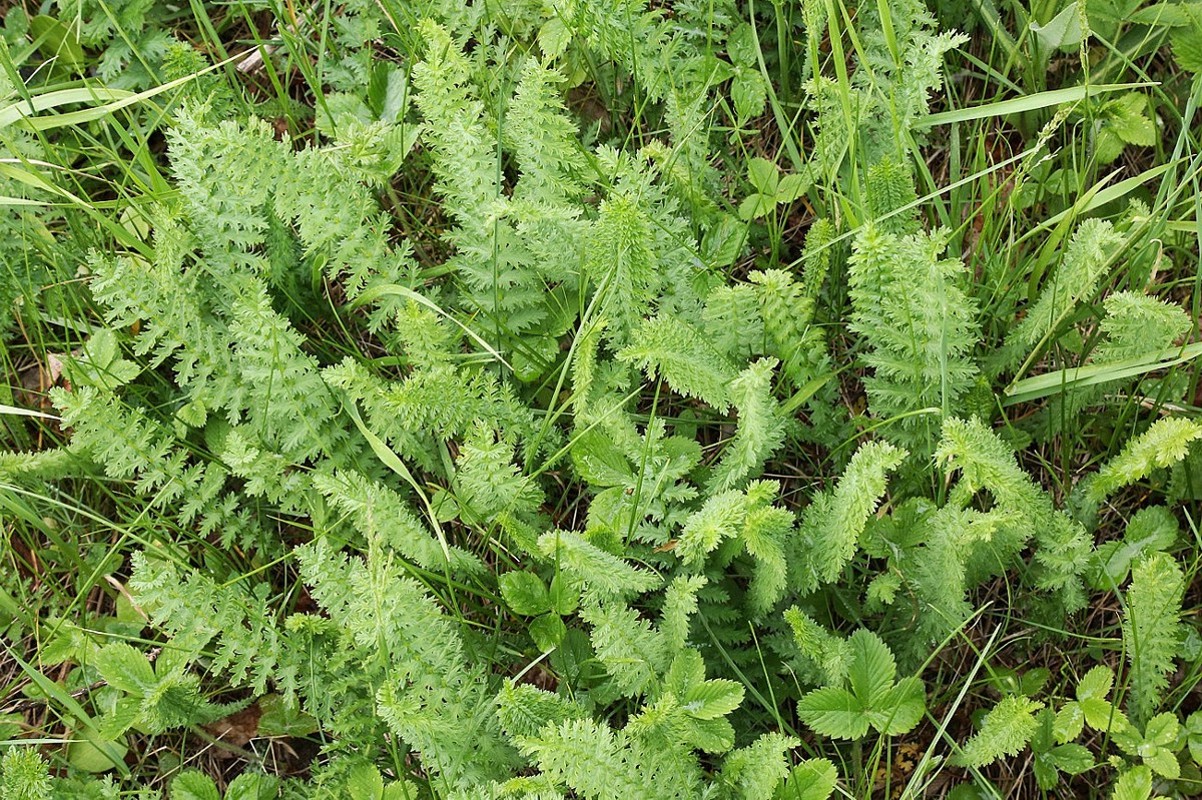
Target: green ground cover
[600, 399]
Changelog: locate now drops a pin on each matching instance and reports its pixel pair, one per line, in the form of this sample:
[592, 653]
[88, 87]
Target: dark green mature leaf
[835, 712]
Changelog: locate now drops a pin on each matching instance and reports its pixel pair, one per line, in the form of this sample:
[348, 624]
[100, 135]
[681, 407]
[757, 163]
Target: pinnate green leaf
[1005, 731]
[599, 569]
[675, 351]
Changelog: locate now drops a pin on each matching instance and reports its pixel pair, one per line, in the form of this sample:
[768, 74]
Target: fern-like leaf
[756, 770]
[1162, 445]
[602, 572]
[1152, 630]
[833, 523]
[24, 775]
[631, 650]
[760, 431]
[675, 351]
[1088, 253]
[1005, 731]
[912, 310]
[589, 757]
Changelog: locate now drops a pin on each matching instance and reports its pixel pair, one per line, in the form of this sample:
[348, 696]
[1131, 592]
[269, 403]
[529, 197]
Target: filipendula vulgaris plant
[205, 309]
[395, 566]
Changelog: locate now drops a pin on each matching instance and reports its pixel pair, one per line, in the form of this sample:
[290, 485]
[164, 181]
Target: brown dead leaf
[238, 728]
[39, 378]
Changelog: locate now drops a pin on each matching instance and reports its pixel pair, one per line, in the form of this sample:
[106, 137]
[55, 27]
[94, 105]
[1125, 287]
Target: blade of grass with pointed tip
[394, 463]
[14, 411]
[1051, 383]
[28, 111]
[1100, 194]
[1017, 105]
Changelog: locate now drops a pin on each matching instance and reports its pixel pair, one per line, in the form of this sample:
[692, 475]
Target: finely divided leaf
[674, 350]
[1005, 731]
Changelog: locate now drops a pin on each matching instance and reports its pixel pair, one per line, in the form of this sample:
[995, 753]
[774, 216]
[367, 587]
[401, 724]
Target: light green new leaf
[792, 187]
[1162, 445]
[253, 786]
[833, 712]
[872, 668]
[678, 353]
[547, 632]
[1152, 630]
[1091, 707]
[1005, 731]
[1193, 735]
[1072, 759]
[125, 668]
[900, 709]
[1150, 530]
[1158, 749]
[712, 699]
[687, 671]
[873, 699]
[813, 779]
[1063, 30]
[1134, 784]
[194, 785]
[755, 206]
[597, 568]
[764, 176]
